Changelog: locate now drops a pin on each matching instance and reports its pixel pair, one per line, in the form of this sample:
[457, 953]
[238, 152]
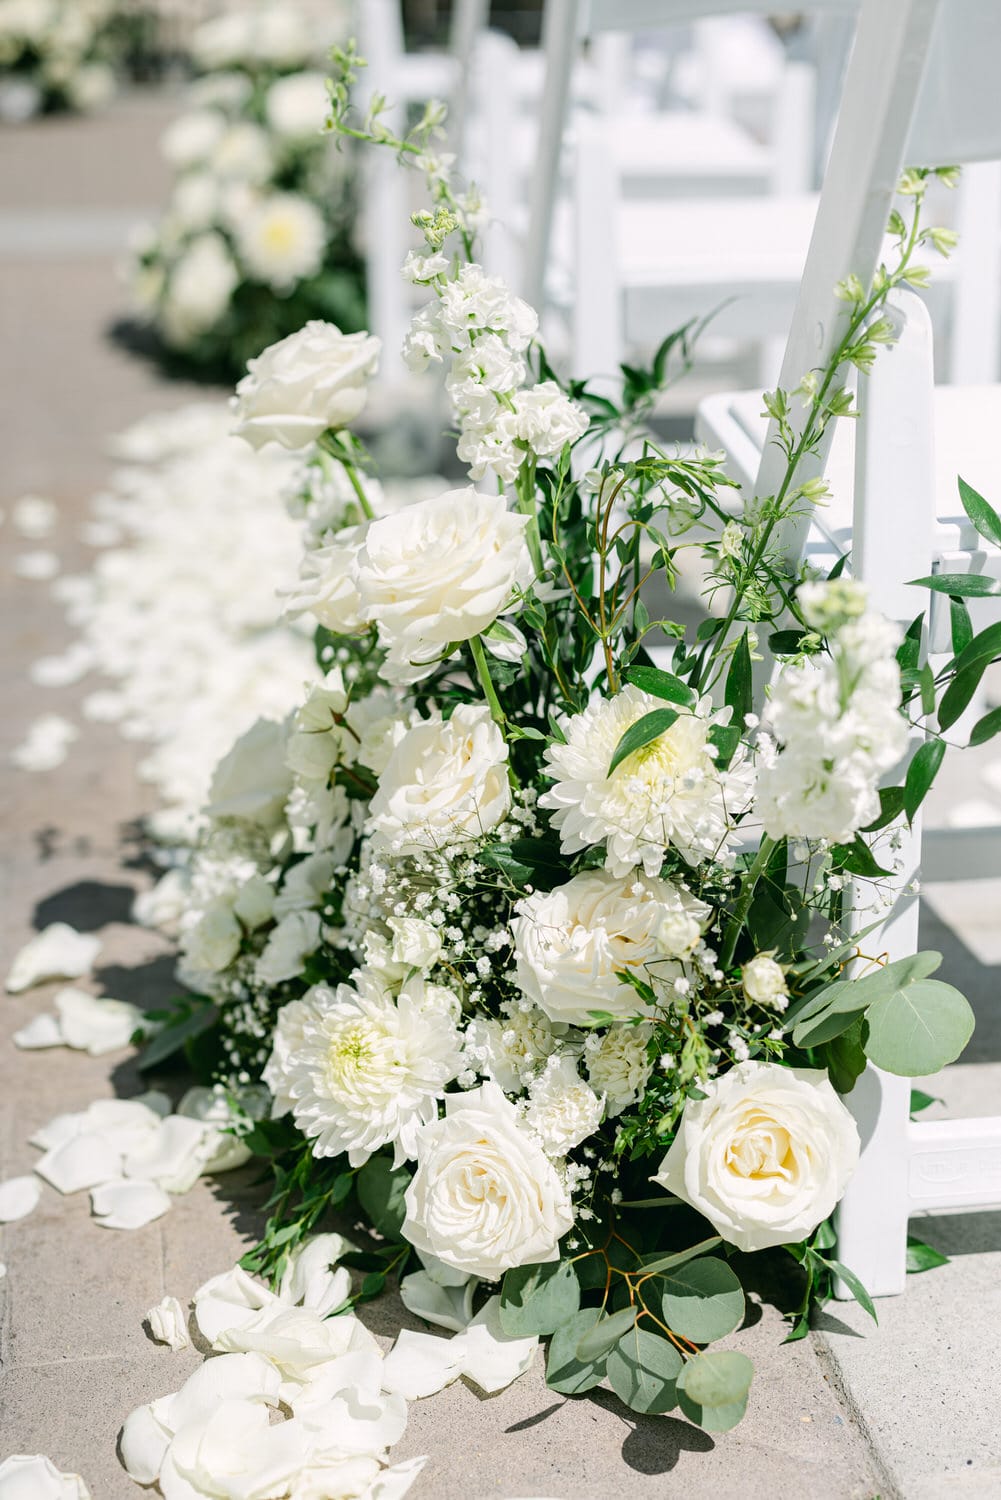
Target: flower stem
[486, 681]
[525, 491]
[744, 900]
[359, 490]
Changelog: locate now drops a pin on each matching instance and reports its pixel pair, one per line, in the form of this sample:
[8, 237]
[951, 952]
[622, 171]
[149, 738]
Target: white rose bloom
[485, 1197]
[243, 154]
[191, 138]
[619, 1067]
[251, 781]
[445, 782]
[318, 740]
[364, 1070]
[764, 981]
[416, 943]
[328, 584]
[510, 1051]
[214, 941]
[572, 943]
[305, 884]
[668, 794]
[195, 202]
[562, 1109]
[314, 379]
[288, 947]
[199, 289]
[765, 1156]
[255, 903]
[297, 106]
[282, 240]
[168, 1325]
[440, 572]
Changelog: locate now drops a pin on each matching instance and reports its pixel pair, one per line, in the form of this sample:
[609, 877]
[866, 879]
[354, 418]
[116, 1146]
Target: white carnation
[562, 1109]
[619, 1067]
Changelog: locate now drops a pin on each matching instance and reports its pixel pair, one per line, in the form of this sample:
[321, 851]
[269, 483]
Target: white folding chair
[920, 89]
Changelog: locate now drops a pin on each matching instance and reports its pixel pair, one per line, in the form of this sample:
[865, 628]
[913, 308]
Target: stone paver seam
[889, 1487]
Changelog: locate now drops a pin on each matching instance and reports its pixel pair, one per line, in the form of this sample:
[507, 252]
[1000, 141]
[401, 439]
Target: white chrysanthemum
[562, 1109]
[572, 943]
[283, 239]
[669, 794]
[445, 782]
[619, 1067]
[510, 1050]
[362, 1070]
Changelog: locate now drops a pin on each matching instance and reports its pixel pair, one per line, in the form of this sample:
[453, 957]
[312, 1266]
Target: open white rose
[252, 781]
[572, 943]
[444, 782]
[485, 1197]
[440, 571]
[765, 1156]
[328, 584]
[314, 379]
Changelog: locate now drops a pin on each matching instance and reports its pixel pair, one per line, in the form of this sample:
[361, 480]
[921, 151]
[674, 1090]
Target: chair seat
[689, 146]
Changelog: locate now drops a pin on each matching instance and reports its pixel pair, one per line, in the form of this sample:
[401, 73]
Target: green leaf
[959, 694]
[176, 1033]
[713, 1389]
[595, 1342]
[845, 1056]
[984, 517]
[786, 642]
[564, 1371]
[920, 774]
[738, 693]
[961, 625]
[538, 1299]
[380, 1192]
[891, 805]
[703, 1300]
[855, 1286]
[921, 1101]
[661, 685]
[826, 1027]
[642, 1370]
[961, 585]
[726, 738]
[986, 728]
[650, 727]
[986, 644]
[919, 1029]
[922, 1257]
[656, 1264]
[857, 859]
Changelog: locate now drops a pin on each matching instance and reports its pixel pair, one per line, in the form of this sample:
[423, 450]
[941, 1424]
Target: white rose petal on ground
[175, 1155]
[18, 1197]
[231, 1300]
[58, 952]
[312, 1276]
[356, 1418]
[41, 1031]
[62, 671]
[168, 1324]
[34, 516]
[128, 1204]
[144, 1441]
[232, 1377]
[36, 567]
[34, 1477]
[81, 1162]
[96, 1025]
[490, 1357]
[47, 744]
[420, 1365]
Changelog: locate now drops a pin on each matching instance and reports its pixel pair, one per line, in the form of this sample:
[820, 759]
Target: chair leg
[872, 1216]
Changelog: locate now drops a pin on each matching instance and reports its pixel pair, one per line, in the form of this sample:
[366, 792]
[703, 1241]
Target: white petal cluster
[573, 943]
[361, 1068]
[83, 1022]
[668, 794]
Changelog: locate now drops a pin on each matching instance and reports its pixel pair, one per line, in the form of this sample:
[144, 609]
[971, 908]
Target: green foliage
[643, 1370]
[380, 1193]
[713, 1389]
[922, 1257]
[703, 1300]
[539, 1299]
[190, 1017]
[650, 727]
[565, 1371]
[921, 1027]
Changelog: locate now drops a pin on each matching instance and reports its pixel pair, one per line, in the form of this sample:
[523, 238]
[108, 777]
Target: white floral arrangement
[56, 54]
[534, 917]
[255, 238]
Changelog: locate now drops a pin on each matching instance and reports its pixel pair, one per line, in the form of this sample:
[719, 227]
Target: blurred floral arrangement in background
[57, 54]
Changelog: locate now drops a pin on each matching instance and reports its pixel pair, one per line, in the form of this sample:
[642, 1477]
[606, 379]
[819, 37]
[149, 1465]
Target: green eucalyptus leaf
[650, 727]
[702, 1300]
[657, 1264]
[596, 1341]
[919, 1029]
[828, 1027]
[713, 1389]
[845, 1056]
[564, 1371]
[537, 1299]
[642, 1370]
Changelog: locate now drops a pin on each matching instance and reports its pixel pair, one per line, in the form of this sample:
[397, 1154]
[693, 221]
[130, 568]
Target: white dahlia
[360, 1069]
[668, 794]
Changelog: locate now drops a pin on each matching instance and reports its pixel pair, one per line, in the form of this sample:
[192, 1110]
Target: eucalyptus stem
[486, 681]
[744, 900]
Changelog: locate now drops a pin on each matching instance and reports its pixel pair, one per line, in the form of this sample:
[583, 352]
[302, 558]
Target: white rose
[255, 903]
[328, 586]
[288, 947]
[764, 981]
[443, 783]
[485, 1197]
[192, 137]
[765, 1156]
[200, 287]
[168, 1325]
[416, 943]
[314, 379]
[572, 943]
[214, 941]
[252, 781]
[440, 571]
[298, 106]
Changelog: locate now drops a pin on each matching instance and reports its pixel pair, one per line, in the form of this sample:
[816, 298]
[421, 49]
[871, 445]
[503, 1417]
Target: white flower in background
[562, 1110]
[243, 154]
[420, 268]
[618, 1066]
[445, 782]
[288, 946]
[827, 607]
[511, 1049]
[475, 302]
[92, 86]
[252, 781]
[282, 240]
[440, 572]
[765, 1156]
[214, 940]
[314, 379]
[190, 139]
[764, 981]
[572, 943]
[319, 738]
[669, 794]
[297, 107]
[287, 1043]
[479, 374]
[168, 1325]
[416, 944]
[328, 584]
[485, 1197]
[305, 884]
[194, 202]
[199, 289]
[364, 1070]
[255, 903]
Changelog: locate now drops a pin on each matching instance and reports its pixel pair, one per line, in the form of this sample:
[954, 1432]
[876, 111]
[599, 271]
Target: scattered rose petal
[312, 1276]
[34, 1477]
[144, 1441]
[295, 1339]
[42, 1030]
[37, 567]
[96, 1025]
[128, 1204]
[168, 1324]
[363, 1419]
[3, 1270]
[232, 1377]
[100, 534]
[34, 516]
[419, 1365]
[230, 1300]
[448, 1307]
[104, 707]
[491, 1357]
[47, 744]
[62, 671]
[175, 1155]
[18, 1196]
[83, 1161]
[57, 952]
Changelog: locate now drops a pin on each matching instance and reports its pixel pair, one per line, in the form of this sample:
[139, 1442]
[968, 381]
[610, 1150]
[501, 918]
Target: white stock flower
[562, 1109]
[363, 1070]
[619, 1067]
[199, 289]
[288, 946]
[668, 794]
[445, 782]
[765, 1156]
[440, 572]
[297, 106]
[764, 981]
[314, 379]
[572, 943]
[544, 419]
[485, 1197]
[282, 240]
[168, 1325]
